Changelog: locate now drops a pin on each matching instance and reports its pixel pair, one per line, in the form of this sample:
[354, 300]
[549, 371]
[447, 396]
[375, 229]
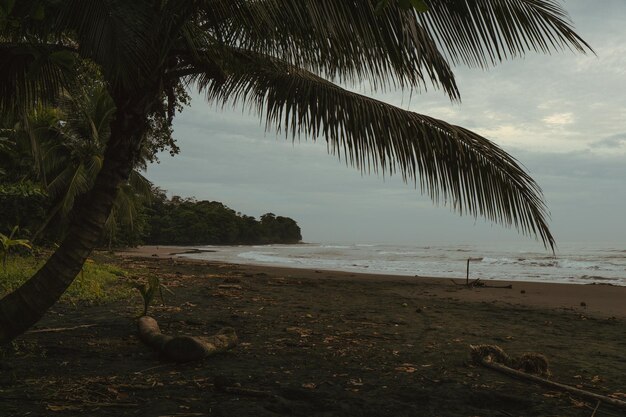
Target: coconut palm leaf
[127, 203]
[484, 32]
[117, 34]
[347, 41]
[452, 165]
[32, 75]
[350, 41]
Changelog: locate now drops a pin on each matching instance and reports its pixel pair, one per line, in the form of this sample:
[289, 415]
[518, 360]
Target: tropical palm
[61, 148]
[281, 58]
[9, 242]
[74, 155]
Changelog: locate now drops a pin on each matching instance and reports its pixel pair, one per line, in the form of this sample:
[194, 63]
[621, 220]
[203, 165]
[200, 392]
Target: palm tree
[281, 58]
[61, 148]
[73, 143]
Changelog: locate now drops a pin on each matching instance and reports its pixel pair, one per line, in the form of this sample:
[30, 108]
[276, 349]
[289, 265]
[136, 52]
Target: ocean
[573, 263]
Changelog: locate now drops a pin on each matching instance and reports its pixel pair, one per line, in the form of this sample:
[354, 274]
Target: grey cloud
[613, 141]
[580, 164]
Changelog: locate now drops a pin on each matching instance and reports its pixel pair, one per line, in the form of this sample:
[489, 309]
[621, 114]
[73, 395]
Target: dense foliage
[50, 157]
[22, 204]
[40, 201]
[180, 221]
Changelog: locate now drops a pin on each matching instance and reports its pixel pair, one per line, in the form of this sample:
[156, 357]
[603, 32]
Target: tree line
[157, 220]
[187, 221]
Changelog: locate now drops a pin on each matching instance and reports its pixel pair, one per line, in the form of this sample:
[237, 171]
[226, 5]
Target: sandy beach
[319, 343]
[599, 300]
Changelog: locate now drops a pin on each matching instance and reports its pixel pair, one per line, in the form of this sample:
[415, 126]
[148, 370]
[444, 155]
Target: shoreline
[586, 299]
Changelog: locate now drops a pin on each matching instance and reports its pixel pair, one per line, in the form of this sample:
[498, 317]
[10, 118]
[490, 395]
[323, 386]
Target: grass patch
[17, 270]
[97, 282]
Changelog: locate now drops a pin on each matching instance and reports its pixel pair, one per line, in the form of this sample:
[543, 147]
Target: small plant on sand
[8, 242]
[148, 291]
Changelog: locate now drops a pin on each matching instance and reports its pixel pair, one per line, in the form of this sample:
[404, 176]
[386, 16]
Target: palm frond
[485, 32]
[32, 75]
[140, 185]
[349, 41]
[452, 165]
[69, 184]
[116, 34]
[344, 40]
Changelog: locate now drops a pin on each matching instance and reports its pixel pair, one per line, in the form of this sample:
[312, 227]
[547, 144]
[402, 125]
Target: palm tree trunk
[22, 308]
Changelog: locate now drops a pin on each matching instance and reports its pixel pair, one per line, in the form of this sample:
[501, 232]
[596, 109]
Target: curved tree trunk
[22, 308]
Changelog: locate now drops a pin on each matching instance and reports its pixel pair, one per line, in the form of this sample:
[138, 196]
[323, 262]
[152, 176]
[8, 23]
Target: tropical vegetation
[7, 243]
[53, 154]
[286, 60]
[179, 221]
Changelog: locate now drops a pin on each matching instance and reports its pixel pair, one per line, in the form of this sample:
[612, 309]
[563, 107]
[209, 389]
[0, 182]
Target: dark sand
[599, 300]
[321, 344]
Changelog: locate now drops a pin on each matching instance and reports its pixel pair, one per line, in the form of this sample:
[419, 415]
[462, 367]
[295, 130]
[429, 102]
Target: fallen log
[490, 362]
[185, 348]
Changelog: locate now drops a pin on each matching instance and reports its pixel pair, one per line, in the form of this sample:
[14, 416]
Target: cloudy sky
[563, 116]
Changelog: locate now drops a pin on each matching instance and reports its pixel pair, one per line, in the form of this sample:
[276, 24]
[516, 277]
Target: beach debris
[278, 281]
[493, 357]
[533, 363]
[185, 348]
[467, 271]
[223, 384]
[409, 368]
[60, 329]
[229, 287]
[489, 353]
[477, 283]
[530, 363]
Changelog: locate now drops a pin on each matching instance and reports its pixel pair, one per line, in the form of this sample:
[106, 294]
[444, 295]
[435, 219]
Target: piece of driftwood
[477, 283]
[229, 287]
[60, 329]
[185, 348]
[567, 388]
[247, 392]
[467, 281]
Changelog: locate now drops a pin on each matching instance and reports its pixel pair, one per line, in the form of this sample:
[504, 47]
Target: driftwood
[60, 329]
[477, 283]
[185, 348]
[489, 362]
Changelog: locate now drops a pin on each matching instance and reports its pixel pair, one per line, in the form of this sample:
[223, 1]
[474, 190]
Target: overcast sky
[563, 116]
